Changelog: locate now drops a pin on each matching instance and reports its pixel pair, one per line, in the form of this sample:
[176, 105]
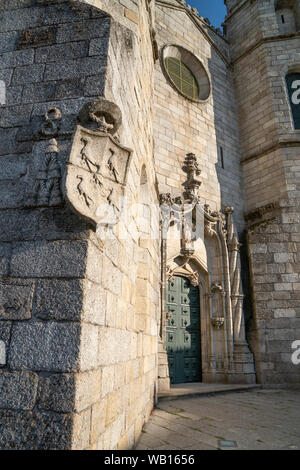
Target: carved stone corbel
[217, 322]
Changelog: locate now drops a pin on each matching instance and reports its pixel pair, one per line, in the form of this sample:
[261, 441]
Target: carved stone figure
[46, 190]
[193, 172]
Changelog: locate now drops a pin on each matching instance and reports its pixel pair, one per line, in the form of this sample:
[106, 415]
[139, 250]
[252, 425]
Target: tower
[264, 42]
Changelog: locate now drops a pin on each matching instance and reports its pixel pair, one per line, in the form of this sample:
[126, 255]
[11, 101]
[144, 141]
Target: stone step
[190, 390]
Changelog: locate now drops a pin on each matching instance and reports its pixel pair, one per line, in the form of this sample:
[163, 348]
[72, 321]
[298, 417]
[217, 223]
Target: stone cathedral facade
[149, 210]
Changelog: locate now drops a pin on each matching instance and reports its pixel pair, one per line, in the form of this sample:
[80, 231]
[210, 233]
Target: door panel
[183, 331]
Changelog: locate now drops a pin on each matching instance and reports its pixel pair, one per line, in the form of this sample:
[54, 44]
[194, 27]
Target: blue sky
[213, 9]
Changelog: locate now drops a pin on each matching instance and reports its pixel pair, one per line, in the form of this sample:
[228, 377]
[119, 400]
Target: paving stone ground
[262, 419]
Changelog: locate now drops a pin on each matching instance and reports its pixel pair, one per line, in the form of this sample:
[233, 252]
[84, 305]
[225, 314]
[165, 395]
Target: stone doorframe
[225, 353]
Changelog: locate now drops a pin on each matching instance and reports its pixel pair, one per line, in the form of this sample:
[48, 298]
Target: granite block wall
[77, 356]
[270, 158]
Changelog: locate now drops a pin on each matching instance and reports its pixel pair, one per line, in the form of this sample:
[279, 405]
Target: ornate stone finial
[52, 147]
[192, 170]
[101, 115]
[234, 244]
[228, 210]
[165, 198]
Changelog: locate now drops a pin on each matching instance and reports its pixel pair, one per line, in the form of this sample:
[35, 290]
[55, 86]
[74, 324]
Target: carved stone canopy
[183, 269]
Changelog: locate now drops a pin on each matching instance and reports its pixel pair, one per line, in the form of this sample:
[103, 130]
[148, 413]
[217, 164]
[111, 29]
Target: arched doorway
[183, 335]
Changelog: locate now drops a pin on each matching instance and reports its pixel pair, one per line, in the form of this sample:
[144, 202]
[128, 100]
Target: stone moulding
[96, 175]
[260, 211]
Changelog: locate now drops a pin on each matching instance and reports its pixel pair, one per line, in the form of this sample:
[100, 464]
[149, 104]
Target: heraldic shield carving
[96, 173]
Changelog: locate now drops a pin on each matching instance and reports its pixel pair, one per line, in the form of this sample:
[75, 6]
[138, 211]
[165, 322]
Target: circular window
[186, 73]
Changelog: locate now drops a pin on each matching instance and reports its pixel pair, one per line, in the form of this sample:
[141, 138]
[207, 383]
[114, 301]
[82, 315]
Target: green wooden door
[183, 339]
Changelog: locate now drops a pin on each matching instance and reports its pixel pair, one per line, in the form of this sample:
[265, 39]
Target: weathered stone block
[28, 74]
[18, 390]
[13, 95]
[112, 407]
[5, 254]
[49, 259]
[34, 430]
[20, 19]
[16, 299]
[45, 346]
[98, 420]
[58, 300]
[88, 389]
[98, 46]
[95, 304]
[16, 58]
[17, 224]
[5, 75]
[73, 68]
[86, 29]
[38, 92]
[107, 346]
[88, 346]
[107, 380]
[67, 13]
[284, 313]
[56, 393]
[95, 85]
[7, 41]
[81, 430]
[2, 353]
[57, 52]
[71, 88]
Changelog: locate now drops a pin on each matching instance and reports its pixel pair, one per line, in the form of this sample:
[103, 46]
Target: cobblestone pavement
[262, 419]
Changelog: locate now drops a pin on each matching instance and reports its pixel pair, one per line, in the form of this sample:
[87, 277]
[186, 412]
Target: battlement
[205, 21]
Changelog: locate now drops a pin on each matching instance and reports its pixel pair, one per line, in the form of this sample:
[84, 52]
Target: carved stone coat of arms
[96, 174]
